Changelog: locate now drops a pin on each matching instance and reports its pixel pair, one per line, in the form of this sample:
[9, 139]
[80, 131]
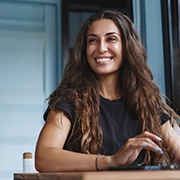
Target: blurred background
[36, 37]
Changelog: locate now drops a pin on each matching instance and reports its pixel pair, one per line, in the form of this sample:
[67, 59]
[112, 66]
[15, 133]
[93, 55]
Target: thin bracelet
[96, 162]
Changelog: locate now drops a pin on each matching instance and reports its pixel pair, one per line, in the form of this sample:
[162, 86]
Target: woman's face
[104, 47]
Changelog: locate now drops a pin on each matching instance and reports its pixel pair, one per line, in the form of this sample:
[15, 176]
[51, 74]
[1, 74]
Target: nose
[102, 46]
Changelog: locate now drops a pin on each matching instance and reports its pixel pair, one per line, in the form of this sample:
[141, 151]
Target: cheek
[118, 51]
[89, 52]
[118, 48]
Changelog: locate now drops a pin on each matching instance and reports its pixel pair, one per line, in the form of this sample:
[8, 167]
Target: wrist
[103, 162]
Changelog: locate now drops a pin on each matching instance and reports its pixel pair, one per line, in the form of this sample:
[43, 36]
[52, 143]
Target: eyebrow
[110, 33]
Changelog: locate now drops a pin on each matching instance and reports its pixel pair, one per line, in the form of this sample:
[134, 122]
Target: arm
[50, 156]
[172, 140]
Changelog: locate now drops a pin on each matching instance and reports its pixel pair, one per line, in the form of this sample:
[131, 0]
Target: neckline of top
[115, 101]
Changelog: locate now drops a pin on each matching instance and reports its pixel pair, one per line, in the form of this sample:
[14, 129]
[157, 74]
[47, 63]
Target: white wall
[29, 71]
[148, 20]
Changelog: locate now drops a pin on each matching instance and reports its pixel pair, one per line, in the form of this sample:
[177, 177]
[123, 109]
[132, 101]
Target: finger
[151, 147]
[150, 135]
[144, 140]
[144, 143]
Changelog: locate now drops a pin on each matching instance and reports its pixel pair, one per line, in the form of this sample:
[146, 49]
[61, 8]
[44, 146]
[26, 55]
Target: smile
[103, 60]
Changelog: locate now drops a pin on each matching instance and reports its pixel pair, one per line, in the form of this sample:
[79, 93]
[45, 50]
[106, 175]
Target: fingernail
[144, 144]
[160, 150]
[158, 138]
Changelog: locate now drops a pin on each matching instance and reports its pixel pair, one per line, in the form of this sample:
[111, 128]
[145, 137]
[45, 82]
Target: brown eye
[92, 40]
[112, 39]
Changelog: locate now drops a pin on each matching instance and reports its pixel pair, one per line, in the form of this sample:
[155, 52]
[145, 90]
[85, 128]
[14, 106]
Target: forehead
[102, 26]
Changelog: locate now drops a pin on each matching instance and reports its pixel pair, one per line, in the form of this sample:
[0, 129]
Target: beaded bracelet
[96, 162]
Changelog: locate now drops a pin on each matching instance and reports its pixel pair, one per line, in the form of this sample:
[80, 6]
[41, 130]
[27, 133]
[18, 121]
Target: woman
[106, 111]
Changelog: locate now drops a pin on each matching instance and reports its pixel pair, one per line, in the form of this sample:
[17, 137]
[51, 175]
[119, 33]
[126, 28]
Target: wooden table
[103, 175]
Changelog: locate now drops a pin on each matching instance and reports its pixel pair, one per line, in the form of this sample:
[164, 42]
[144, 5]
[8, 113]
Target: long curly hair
[80, 86]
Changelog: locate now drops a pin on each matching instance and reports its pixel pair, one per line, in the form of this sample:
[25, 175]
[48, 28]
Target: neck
[109, 88]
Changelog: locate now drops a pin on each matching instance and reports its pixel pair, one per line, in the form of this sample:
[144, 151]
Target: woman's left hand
[131, 149]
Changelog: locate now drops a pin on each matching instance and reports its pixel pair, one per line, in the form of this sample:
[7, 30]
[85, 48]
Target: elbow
[39, 164]
[45, 162]
[40, 159]
[49, 159]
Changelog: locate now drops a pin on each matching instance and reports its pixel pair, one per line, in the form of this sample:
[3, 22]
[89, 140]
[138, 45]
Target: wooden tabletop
[103, 175]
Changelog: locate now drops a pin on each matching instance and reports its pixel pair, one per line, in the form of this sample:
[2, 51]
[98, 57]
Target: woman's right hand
[131, 149]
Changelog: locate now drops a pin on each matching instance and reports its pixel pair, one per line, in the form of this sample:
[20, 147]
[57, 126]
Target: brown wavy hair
[80, 86]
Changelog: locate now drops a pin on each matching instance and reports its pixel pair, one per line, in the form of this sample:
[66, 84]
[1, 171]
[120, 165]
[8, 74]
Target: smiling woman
[106, 111]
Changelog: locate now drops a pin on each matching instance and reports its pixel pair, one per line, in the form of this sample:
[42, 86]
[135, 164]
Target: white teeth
[103, 60]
